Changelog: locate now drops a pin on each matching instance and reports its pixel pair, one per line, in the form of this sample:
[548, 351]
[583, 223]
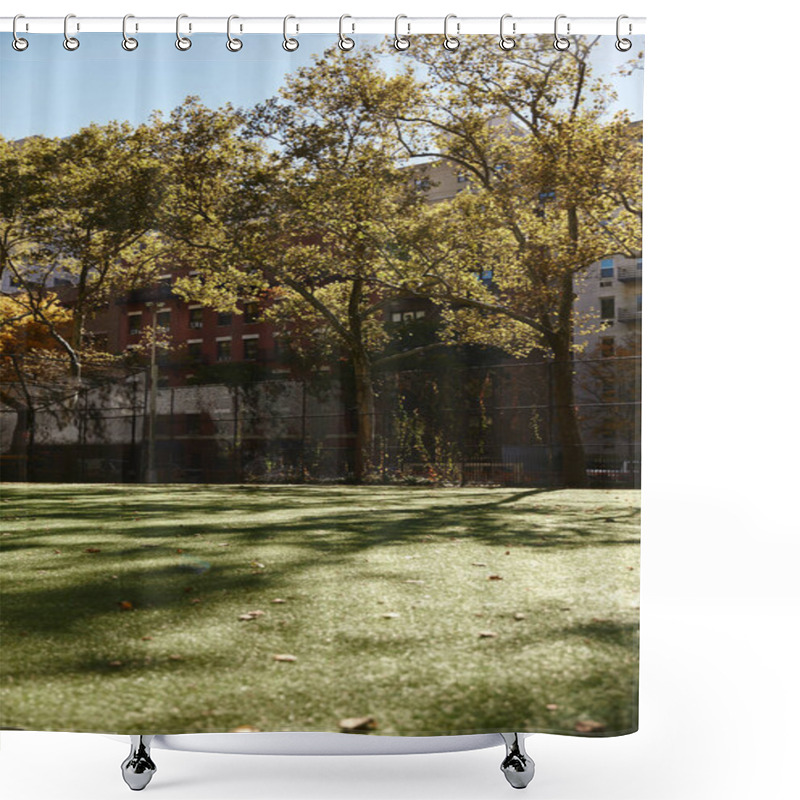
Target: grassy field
[430, 610]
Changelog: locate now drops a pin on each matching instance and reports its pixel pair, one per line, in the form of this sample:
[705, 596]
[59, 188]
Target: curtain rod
[351, 24]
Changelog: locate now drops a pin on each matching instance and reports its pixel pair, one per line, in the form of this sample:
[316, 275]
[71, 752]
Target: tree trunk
[573, 458]
[22, 442]
[365, 417]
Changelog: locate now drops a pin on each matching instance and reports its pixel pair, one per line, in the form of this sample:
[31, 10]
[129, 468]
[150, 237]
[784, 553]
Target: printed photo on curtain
[320, 384]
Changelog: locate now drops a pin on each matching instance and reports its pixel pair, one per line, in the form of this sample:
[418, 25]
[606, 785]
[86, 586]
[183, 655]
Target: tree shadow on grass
[321, 527]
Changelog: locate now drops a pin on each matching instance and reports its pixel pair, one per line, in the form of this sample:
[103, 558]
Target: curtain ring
[623, 45]
[560, 43]
[19, 44]
[181, 42]
[400, 42]
[233, 44]
[507, 42]
[450, 42]
[128, 42]
[345, 42]
[289, 44]
[70, 42]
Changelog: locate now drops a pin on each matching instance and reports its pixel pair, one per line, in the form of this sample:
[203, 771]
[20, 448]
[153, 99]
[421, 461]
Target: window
[485, 275]
[135, 323]
[462, 177]
[548, 194]
[251, 312]
[397, 316]
[607, 346]
[423, 184]
[638, 302]
[194, 349]
[250, 348]
[164, 281]
[224, 318]
[638, 263]
[196, 317]
[606, 308]
[607, 268]
[224, 350]
[164, 319]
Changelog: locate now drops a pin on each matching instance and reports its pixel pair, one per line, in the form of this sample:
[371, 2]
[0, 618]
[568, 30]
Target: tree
[555, 185]
[302, 209]
[32, 369]
[78, 212]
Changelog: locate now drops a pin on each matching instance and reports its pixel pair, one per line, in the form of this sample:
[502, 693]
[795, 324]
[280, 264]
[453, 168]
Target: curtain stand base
[518, 767]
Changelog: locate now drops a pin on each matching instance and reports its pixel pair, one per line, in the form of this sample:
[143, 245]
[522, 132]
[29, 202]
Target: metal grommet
[507, 42]
[289, 44]
[70, 42]
[233, 44]
[128, 42]
[450, 42]
[18, 43]
[560, 43]
[181, 42]
[623, 45]
[345, 42]
[401, 42]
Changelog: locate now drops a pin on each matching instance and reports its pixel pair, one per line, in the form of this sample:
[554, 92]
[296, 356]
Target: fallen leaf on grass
[552, 707]
[414, 581]
[487, 635]
[176, 657]
[519, 615]
[257, 565]
[246, 729]
[278, 600]
[92, 550]
[494, 578]
[390, 615]
[358, 724]
[478, 564]
[195, 600]
[147, 638]
[251, 615]
[125, 605]
[589, 726]
[284, 657]
[114, 663]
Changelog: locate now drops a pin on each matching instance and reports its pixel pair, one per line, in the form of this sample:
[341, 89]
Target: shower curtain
[320, 387]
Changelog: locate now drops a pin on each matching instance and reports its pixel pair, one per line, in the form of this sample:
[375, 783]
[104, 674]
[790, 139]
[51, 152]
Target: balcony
[628, 274]
[629, 315]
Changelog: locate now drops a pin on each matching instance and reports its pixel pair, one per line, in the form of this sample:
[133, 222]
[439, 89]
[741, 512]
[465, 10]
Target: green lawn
[386, 594]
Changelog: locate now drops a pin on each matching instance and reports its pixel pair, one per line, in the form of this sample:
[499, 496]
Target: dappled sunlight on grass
[433, 610]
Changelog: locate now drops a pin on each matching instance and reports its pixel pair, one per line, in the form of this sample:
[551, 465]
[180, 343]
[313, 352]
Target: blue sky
[50, 91]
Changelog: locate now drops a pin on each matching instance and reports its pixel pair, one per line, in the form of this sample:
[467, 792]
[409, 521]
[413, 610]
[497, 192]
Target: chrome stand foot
[517, 766]
[138, 768]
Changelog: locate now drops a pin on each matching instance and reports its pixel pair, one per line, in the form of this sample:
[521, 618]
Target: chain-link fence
[456, 423]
